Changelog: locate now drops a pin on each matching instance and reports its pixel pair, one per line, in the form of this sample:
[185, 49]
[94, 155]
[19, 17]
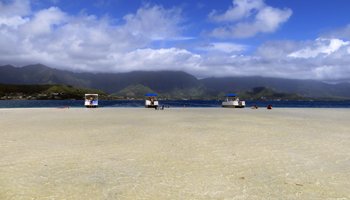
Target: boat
[91, 100]
[233, 101]
[151, 100]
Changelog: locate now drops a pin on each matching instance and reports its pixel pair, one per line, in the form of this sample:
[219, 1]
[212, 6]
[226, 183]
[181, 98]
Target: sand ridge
[182, 153]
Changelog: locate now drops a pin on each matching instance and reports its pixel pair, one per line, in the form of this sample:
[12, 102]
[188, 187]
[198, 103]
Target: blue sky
[289, 38]
[310, 18]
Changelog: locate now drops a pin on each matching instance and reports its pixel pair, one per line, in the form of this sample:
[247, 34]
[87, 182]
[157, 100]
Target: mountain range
[169, 83]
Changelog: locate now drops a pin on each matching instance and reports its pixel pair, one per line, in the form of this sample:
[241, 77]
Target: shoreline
[182, 108]
[173, 104]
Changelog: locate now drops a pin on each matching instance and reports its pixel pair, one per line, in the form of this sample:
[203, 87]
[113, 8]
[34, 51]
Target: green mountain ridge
[263, 93]
[171, 84]
[44, 92]
[133, 91]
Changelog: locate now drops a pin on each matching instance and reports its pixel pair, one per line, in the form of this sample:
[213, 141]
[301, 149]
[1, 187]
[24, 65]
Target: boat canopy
[151, 95]
[231, 95]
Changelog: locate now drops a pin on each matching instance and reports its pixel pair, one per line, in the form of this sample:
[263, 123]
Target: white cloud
[88, 43]
[343, 32]
[273, 59]
[278, 49]
[158, 59]
[14, 21]
[85, 42]
[155, 22]
[246, 18]
[15, 8]
[241, 9]
[44, 21]
[223, 47]
[322, 58]
[322, 46]
[13, 14]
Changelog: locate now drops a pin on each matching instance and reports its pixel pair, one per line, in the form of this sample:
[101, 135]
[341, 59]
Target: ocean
[168, 103]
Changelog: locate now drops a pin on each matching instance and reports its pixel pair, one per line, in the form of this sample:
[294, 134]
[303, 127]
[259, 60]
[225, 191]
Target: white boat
[91, 100]
[151, 100]
[232, 101]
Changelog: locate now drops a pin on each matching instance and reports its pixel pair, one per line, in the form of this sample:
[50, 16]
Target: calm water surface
[170, 103]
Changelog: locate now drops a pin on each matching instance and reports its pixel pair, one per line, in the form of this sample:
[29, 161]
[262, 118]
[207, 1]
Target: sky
[272, 38]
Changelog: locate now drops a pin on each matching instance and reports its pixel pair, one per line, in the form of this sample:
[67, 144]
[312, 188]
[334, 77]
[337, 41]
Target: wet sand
[183, 153]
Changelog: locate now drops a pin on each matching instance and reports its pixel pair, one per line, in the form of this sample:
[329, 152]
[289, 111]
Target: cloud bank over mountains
[85, 42]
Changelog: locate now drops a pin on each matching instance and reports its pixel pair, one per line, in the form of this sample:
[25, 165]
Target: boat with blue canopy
[151, 100]
[232, 101]
[91, 100]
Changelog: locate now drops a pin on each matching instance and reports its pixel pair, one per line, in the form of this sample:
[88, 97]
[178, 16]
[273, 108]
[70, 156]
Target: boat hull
[91, 104]
[91, 100]
[233, 104]
[149, 104]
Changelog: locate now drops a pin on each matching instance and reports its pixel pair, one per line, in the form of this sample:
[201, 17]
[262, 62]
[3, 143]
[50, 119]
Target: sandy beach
[180, 153]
